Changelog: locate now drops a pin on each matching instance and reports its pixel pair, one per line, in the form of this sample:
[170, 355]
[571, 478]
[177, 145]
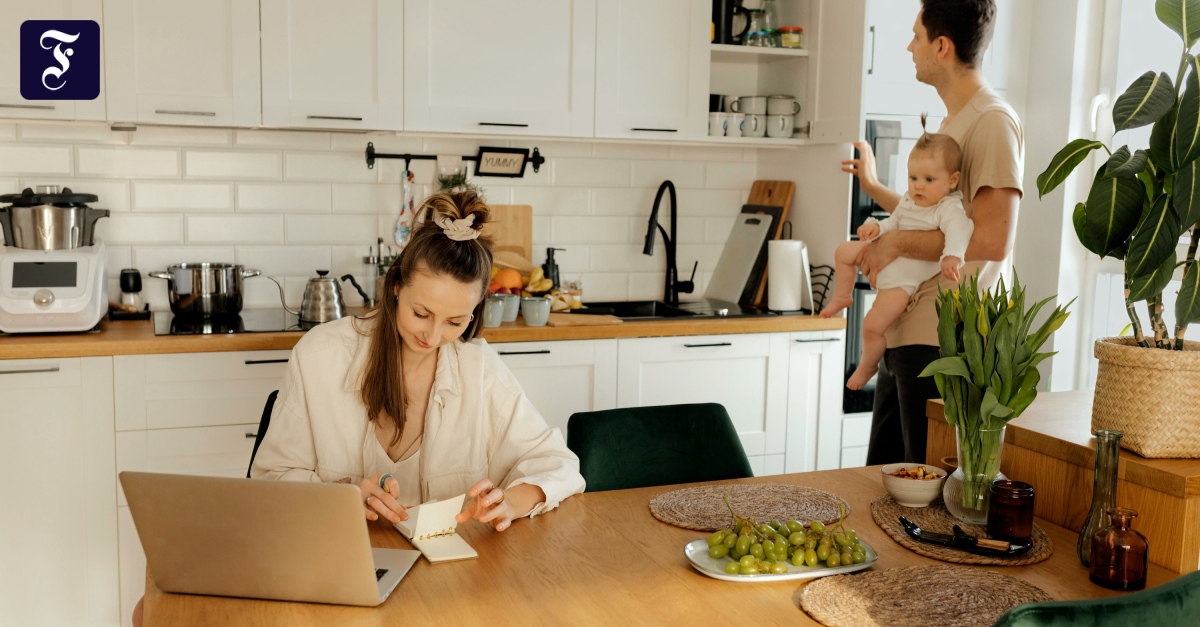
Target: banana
[535, 275]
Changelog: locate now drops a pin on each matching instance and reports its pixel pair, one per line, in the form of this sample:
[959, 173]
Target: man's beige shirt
[993, 147]
[479, 423]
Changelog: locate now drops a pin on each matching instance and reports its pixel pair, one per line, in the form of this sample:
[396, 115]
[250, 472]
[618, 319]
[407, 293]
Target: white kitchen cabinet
[500, 66]
[564, 377]
[814, 412]
[746, 373]
[12, 14]
[333, 64]
[58, 523]
[856, 436]
[652, 68]
[183, 62]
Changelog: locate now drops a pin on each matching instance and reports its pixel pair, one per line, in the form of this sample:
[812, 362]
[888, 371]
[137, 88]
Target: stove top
[249, 321]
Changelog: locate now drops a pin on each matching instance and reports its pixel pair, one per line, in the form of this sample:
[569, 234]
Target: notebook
[431, 529]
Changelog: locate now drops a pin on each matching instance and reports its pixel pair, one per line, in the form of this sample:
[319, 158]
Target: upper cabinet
[652, 68]
[333, 64]
[500, 66]
[183, 62]
[12, 14]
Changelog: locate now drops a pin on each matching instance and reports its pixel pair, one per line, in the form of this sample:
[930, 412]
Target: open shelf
[730, 53]
[759, 142]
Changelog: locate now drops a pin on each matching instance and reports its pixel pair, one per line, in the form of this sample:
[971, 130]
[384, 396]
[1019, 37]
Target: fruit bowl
[913, 492]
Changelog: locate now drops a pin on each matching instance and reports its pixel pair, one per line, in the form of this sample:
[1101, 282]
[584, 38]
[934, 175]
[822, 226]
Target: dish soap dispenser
[550, 268]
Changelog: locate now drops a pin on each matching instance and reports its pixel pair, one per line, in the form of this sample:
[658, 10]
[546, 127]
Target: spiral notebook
[431, 529]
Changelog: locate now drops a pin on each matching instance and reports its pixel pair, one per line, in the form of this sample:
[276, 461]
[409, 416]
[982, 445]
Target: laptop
[278, 540]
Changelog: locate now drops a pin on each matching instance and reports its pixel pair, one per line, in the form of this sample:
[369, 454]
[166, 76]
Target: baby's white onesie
[947, 215]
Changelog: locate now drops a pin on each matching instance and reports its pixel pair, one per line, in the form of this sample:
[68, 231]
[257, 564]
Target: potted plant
[987, 375]
[1141, 203]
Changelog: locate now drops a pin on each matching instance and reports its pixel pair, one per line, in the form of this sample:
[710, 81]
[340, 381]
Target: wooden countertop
[137, 337]
[1059, 424]
[601, 559]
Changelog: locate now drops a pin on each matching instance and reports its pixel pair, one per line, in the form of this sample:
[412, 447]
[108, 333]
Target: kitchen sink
[659, 310]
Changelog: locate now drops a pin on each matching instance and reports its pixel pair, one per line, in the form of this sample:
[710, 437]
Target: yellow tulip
[981, 322]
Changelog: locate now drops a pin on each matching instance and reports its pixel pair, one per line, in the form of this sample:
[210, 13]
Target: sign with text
[60, 60]
[509, 162]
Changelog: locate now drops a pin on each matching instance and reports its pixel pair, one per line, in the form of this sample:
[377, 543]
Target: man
[949, 39]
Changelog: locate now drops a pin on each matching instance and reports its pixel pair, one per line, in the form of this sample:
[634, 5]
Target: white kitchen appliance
[52, 267]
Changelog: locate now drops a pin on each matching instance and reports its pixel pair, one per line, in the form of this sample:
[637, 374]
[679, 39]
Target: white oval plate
[697, 554]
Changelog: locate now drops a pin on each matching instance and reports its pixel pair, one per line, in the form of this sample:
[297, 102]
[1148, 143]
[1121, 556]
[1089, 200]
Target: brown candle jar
[1010, 515]
[1119, 554]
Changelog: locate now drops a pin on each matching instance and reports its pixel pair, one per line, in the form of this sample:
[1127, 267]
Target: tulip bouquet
[987, 374]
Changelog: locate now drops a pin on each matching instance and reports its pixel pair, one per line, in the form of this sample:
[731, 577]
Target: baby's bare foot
[836, 306]
[861, 375]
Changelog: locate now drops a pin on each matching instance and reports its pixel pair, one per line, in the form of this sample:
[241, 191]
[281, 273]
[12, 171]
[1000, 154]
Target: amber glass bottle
[1119, 554]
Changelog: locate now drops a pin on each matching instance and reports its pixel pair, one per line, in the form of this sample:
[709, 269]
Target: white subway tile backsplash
[681, 173]
[179, 136]
[285, 260]
[339, 229]
[357, 143]
[552, 200]
[10, 186]
[366, 198]
[232, 165]
[730, 175]
[8, 131]
[119, 258]
[159, 258]
[630, 151]
[128, 228]
[328, 167]
[296, 140]
[649, 285]
[289, 197]
[599, 286]
[707, 153]
[627, 258]
[541, 228]
[72, 133]
[590, 172]
[687, 230]
[129, 162]
[566, 230]
[706, 254]
[712, 203]
[622, 202]
[27, 159]
[462, 147]
[235, 229]
[556, 149]
[182, 197]
[570, 259]
[111, 194]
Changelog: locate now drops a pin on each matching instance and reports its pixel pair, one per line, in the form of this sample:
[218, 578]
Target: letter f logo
[60, 60]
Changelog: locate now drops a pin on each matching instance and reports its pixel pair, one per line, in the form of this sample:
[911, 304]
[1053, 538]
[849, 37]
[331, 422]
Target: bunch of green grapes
[767, 548]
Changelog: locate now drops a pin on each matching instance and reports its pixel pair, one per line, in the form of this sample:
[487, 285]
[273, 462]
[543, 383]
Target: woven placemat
[937, 518]
[917, 596]
[703, 508]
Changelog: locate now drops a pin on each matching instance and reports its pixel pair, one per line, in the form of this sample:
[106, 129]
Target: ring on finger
[383, 480]
[367, 501]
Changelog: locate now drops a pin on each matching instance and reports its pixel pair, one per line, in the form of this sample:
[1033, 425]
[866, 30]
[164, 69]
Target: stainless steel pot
[205, 290]
[49, 219]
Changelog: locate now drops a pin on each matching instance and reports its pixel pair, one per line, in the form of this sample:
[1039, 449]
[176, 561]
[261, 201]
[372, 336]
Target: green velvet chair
[638, 447]
[1173, 604]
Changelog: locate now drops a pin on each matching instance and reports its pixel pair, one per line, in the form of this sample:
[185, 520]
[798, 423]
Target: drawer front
[188, 367]
[704, 347]
[209, 451]
[27, 374]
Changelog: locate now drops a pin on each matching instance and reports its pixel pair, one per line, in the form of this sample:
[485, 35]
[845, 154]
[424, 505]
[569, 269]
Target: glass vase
[1104, 490]
[967, 492]
[1120, 555]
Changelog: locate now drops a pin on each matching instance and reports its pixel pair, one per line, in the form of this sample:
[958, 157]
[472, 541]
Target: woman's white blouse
[478, 424]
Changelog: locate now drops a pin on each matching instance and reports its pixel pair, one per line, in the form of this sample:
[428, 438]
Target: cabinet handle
[503, 124]
[255, 362]
[707, 345]
[174, 112]
[31, 371]
[541, 352]
[828, 339]
[871, 70]
[27, 106]
[656, 130]
[334, 117]
[250, 435]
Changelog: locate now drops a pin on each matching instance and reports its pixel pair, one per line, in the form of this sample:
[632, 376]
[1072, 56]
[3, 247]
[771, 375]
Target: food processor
[52, 267]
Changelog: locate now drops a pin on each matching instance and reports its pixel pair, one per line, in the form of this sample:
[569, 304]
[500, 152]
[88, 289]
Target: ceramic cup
[716, 102]
[737, 122]
[782, 105]
[493, 311]
[535, 311]
[750, 104]
[780, 126]
[716, 125]
[756, 125]
[512, 305]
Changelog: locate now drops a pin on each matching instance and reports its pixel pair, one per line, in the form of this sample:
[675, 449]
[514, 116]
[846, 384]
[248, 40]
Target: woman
[404, 404]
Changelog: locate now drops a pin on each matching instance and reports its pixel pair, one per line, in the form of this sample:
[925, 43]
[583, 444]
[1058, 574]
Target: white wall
[289, 203]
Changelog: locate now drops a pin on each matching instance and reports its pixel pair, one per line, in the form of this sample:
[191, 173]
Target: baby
[931, 203]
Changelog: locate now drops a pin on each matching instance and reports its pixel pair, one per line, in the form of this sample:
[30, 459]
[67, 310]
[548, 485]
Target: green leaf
[1160, 140]
[1121, 163]
[947, 366]
[1153, 284]
[1079, 219]
[1114, 206]
[1181, 16]
[1064, 163]
[1185, 197]
[1187, 307]
[1154, 239]
[1187, 124]
[1145, 101]
[1026, 392]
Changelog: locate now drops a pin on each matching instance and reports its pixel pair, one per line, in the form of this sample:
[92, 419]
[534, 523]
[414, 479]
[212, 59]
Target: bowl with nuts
[913, 485]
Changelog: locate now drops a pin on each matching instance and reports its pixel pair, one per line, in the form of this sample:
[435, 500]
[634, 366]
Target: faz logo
[60, 60]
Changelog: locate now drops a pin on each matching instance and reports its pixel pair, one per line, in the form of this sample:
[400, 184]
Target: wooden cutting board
[511, 229]
[778, 194]
[581, 320]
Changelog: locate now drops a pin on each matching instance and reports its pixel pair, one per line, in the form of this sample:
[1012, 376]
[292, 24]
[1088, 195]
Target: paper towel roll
[788, 282]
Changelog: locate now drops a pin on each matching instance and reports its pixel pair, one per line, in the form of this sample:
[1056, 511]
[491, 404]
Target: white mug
[750, 104]
[756, 125]
[782, 105]
[780, 125]
[716, 125]
[737, 122]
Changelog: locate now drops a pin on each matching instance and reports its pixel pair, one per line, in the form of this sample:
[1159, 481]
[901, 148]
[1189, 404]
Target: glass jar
[759, 38]
[1010, 514]
[1104, 489]
[1119, 554]
[791, 37]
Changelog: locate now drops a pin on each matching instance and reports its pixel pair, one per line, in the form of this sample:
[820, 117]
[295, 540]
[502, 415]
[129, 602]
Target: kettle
[322, 300]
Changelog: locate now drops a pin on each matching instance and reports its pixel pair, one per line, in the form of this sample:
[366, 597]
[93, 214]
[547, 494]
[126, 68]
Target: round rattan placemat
[917, 596]
[938, 519]
[703, 508]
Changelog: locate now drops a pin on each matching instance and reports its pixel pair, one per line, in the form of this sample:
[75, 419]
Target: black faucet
[672, 286]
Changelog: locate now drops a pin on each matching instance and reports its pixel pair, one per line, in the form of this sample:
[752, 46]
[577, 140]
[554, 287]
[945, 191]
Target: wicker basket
[1151, 396]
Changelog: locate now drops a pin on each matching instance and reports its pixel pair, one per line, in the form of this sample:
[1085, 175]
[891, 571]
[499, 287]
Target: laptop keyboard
[379, 573]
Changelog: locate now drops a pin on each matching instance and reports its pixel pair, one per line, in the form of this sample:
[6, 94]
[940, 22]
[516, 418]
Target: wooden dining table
[601, 558]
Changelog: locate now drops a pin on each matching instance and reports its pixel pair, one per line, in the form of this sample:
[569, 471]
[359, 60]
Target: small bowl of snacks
[913, 485]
